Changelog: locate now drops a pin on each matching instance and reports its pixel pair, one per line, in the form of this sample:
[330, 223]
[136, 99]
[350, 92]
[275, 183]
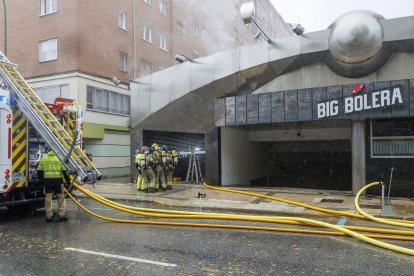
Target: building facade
[331, 109]
[74, 49]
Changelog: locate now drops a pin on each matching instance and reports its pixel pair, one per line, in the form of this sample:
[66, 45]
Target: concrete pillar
[213, 157]
[358, 156]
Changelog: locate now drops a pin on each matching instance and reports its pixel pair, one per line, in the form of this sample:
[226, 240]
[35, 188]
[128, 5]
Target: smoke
[225, 27]
[221, 30]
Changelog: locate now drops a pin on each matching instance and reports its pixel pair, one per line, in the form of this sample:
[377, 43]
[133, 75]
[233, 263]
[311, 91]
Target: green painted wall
[115, 172]
[108, 150]
[97, 131]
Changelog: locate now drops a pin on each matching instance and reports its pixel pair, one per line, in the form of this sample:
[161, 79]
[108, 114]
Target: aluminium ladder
[193, 168]
[45, 123]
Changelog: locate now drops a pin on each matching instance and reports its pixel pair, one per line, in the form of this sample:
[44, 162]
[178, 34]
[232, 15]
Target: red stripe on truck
[9, 144]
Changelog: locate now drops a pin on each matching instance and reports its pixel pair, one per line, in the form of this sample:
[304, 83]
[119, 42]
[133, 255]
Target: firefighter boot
[140, 183]
[48, 207]
[151, 180]
[62, 207]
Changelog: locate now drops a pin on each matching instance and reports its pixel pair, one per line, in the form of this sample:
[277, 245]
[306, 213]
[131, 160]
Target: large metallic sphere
[356, 36]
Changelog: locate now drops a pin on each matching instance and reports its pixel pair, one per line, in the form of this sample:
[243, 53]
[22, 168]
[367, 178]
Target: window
[195, 28]
[48, 50]
[48, 94]
[123, 61]
[234, 33]
[181, 28]
[107, 101]
[146, 67]
[162, 7]
[147, 2]
[48, 6]
[163, 42]
[122, 19]
[204, 8]
[204, 34]
[392, 139]
[146, 33]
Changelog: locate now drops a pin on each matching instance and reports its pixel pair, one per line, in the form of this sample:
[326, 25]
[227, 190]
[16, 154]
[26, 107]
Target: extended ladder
[193, 168]
[45, 123]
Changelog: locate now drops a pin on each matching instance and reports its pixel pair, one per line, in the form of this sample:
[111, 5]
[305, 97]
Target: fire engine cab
[23, 147]
[27, 127]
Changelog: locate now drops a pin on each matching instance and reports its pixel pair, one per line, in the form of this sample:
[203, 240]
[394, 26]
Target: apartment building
[74, 49]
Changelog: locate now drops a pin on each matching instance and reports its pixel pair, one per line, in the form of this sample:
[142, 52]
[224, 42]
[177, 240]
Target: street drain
[370, 206]
[332, 200]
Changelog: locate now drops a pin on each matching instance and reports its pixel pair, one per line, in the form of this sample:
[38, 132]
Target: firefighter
[51, 173]
[139, 164]
[158, 167]
[171, 163]
[148, 177]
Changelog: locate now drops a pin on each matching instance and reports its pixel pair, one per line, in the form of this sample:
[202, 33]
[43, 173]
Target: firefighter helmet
[154, 146]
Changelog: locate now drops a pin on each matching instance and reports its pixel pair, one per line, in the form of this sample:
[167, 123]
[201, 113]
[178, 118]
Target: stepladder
[194, 169]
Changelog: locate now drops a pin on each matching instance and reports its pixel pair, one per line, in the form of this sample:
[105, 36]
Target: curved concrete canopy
[181, 98]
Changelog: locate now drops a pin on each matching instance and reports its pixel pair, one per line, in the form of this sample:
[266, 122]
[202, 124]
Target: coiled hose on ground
[236, 217]
[224, 215]
[315, 208]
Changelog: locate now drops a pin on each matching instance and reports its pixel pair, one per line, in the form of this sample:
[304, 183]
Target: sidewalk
[187, 196]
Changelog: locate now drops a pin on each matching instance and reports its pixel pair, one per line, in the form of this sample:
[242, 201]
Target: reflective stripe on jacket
[140, 160]
[51, 166]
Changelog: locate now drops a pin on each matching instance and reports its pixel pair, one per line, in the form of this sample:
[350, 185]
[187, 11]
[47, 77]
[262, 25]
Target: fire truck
[28, 128]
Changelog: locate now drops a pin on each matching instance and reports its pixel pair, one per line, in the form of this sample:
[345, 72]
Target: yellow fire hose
[354, 228]
[306, 221]
[189, 216]
[196, 215]
[241, 227]
[380, 220]
[323, 210]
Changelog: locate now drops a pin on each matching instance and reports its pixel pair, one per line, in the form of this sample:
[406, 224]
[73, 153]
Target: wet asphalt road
[28, 246]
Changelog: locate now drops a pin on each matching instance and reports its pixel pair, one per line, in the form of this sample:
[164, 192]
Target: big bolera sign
[360, 102]
[388, 99]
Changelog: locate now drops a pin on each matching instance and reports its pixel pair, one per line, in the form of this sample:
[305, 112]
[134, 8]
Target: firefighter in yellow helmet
[159, 161]
[51, 173]
[172, 161]
[140, 164]
[148, 177]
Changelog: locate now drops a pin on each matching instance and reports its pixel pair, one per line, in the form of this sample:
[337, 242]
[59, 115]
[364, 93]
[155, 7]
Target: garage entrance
[310, 165]
[181, 142]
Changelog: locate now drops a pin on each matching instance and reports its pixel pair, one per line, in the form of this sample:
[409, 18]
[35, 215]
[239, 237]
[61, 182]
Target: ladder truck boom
[45, 123]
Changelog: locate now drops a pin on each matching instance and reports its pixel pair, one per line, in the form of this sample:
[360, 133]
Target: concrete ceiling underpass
[181, 98]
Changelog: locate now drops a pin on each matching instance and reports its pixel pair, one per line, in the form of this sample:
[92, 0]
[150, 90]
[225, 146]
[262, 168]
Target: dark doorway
[310, 165]
[181, 142]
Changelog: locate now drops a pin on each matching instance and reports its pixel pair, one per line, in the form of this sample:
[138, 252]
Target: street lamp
[298, 29]
[116, 81]
[247, 11]
[182, 58]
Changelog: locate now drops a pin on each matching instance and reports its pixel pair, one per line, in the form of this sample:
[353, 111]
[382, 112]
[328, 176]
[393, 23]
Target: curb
[230, 209]
[243, 210]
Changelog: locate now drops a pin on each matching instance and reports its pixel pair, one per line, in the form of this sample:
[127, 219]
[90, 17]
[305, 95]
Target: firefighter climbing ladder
[194, 168]
[57, 138]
